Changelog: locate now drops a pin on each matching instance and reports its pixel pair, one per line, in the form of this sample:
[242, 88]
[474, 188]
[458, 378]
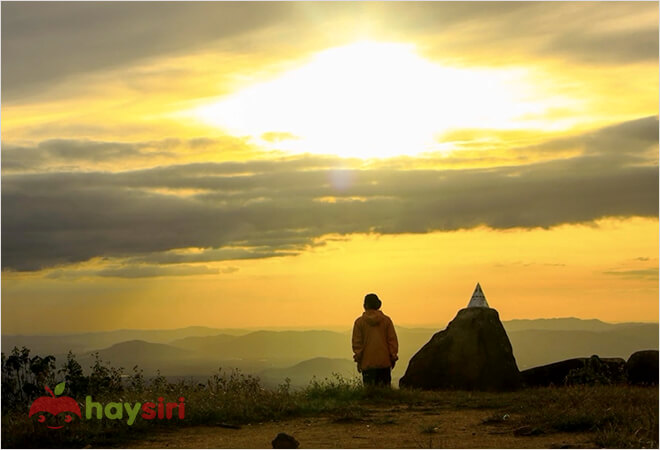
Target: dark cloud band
[44, 43]
[258, 209]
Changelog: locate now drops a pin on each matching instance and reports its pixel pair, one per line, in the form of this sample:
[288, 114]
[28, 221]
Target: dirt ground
[386, 427]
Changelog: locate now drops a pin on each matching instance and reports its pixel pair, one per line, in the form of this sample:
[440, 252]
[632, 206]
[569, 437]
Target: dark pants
[377, 377]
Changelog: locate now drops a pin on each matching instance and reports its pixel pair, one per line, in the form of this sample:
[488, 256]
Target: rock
[554, 373]
[472, 353]
[642, 367]
[576, 371]
[284, 440]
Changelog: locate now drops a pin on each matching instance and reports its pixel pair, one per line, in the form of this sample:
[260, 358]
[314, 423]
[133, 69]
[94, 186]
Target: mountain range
[299, 355]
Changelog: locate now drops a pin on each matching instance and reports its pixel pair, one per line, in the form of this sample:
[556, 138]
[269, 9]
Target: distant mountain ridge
[201, 350]
[304, 372]
[82, 342]
[565, 324]
[275, 344]
[203, 343]
[537, 347]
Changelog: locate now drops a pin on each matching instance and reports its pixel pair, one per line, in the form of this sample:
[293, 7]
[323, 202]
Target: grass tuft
[617, 415]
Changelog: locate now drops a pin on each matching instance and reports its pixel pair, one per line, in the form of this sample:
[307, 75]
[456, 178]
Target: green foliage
[336, 388]
[616, 415]
[24, 377]
[238, 398]
[159, 382]
[105, 378]
[594, 372]
[136, 381]
[76, 381]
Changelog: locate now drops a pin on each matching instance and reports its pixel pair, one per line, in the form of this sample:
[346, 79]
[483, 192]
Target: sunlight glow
[373, 100]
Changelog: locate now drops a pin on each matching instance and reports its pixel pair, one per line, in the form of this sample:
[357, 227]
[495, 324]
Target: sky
[257, 164]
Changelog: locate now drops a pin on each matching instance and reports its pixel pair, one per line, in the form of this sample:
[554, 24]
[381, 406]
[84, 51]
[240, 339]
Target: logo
[150, 410]
[51, 408]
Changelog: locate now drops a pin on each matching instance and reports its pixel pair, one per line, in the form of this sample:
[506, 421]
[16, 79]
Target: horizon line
[305, 328]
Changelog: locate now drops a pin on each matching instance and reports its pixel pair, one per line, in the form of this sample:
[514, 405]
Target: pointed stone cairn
[472, 353]
[478, 299]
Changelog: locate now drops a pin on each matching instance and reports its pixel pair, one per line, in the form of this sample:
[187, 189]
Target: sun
[369, 100]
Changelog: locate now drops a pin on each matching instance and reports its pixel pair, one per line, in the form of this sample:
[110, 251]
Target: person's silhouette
[375, 345]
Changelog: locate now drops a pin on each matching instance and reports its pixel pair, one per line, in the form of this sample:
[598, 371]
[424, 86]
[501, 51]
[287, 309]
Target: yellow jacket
[375, 345]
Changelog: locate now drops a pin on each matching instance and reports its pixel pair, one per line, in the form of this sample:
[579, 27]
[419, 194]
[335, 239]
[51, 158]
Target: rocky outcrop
[554, 373]
[576, 371]
[283, 440]
[472, 353]
[642, 367]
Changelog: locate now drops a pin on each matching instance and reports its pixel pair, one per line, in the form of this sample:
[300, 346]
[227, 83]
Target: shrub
[618, 416]
[23, 377]
[594, 372]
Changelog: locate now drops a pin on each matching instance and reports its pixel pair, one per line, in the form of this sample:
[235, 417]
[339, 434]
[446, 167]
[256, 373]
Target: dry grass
[618, 416]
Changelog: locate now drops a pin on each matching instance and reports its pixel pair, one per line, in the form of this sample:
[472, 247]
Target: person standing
[375, 345]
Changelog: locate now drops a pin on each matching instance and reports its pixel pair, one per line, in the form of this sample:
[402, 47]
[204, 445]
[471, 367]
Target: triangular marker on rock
[472, 353]
[478, 299]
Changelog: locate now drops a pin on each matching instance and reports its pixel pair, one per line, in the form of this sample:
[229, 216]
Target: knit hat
[371, 301]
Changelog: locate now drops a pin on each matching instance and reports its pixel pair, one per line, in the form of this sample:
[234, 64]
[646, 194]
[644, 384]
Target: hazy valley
[197, 352]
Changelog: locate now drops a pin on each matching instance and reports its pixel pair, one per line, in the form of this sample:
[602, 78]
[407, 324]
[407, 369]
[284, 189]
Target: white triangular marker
[478, 299]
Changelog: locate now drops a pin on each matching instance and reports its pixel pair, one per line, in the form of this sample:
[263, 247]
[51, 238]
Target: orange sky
[269, 164]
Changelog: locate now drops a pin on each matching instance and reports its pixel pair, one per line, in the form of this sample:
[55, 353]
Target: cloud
[138, 271]
[583, 33]
[68, 153]
[641, 274]
[74, 155]
[281, 247]
[613, 47]
[626, 139]
[45, 43]
[268, 208]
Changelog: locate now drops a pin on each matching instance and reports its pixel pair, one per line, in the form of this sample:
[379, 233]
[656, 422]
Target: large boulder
[642, 367]
[576, 371]
[554, 373]
[472, 353]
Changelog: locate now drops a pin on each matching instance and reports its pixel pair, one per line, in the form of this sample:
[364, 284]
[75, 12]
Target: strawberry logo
[54, 406]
